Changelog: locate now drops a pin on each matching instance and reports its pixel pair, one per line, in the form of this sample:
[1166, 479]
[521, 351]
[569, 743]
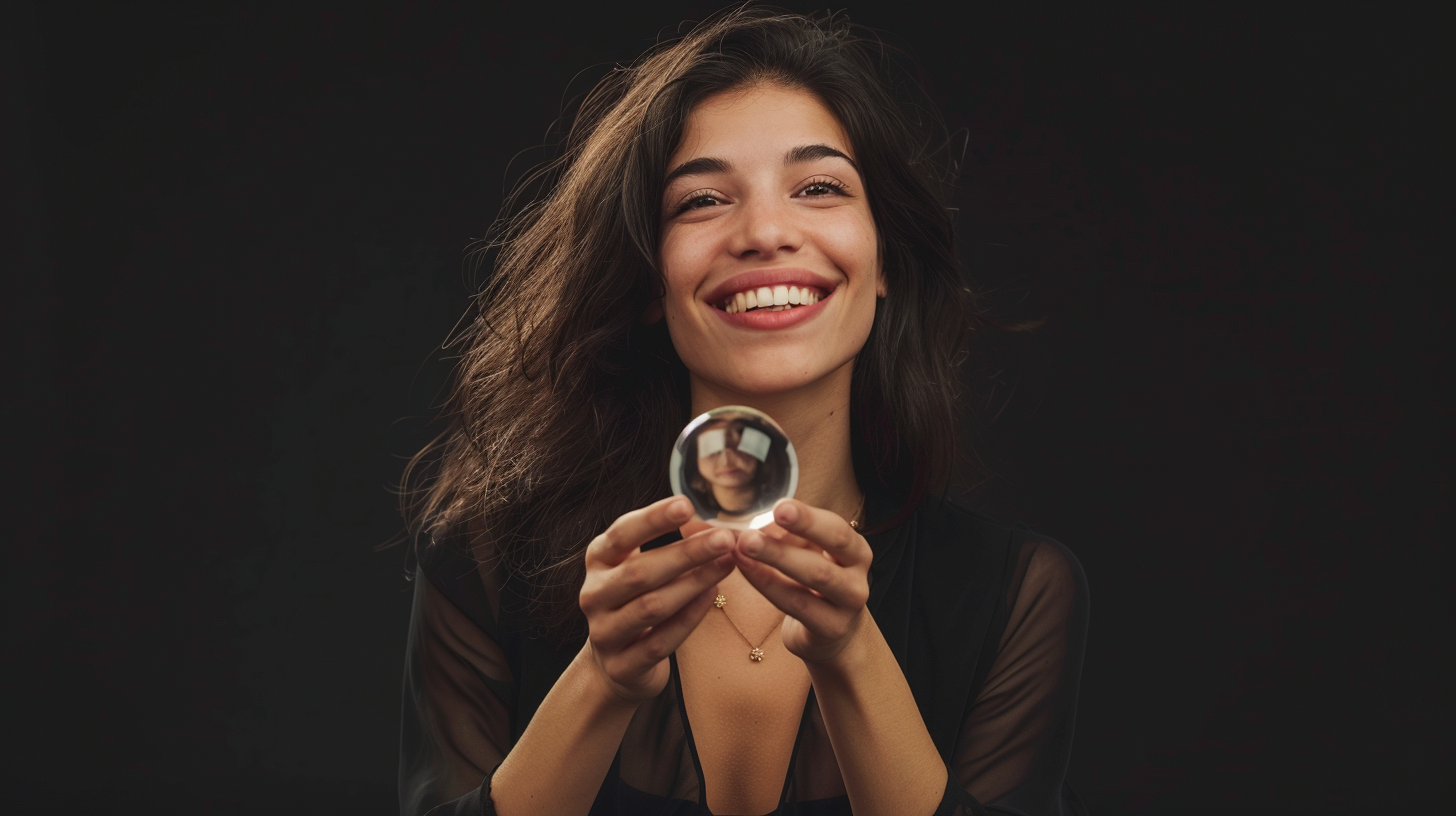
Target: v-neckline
[682, 712]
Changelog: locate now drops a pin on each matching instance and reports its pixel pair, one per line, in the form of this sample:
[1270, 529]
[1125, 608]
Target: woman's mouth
[771, 298]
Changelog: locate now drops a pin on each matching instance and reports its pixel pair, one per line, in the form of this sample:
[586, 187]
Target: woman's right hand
[640, 606]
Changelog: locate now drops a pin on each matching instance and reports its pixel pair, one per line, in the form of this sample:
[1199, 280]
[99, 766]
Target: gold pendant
[756, 655]
[720, 602]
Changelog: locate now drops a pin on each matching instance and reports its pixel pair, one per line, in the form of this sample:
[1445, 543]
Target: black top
[987, 621]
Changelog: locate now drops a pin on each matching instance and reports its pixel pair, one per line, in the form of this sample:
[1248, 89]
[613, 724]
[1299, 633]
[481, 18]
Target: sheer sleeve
[457, 699]
[1015, 741]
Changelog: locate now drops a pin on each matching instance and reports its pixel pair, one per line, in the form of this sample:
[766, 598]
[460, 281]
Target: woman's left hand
[815, 567]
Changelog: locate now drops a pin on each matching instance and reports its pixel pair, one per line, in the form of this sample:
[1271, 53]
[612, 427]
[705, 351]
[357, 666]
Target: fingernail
[720, 541]
[750, 543]
[679, 510]
[786, 513]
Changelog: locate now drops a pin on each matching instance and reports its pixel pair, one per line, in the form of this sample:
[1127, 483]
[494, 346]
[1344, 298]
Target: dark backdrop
[233, 243]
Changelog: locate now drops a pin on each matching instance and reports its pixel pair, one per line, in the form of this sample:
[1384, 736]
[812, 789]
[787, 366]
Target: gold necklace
[755, 653]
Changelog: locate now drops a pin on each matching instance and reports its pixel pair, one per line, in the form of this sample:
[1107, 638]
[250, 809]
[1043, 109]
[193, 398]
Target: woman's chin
[769, 378]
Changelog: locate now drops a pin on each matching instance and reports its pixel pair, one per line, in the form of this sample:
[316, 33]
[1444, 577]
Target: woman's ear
[652, 313]
[880, 287]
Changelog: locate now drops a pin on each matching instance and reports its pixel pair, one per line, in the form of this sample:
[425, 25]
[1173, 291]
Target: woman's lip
[778, 276]
[764, 319]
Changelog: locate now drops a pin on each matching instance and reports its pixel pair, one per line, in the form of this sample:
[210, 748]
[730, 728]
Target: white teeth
[775, 299]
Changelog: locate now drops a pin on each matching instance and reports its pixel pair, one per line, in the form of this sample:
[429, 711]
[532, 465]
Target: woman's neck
[816, 418]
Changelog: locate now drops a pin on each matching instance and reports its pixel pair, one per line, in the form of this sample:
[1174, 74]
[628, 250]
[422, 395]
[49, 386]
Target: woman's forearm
[558, 764]
[888, 761]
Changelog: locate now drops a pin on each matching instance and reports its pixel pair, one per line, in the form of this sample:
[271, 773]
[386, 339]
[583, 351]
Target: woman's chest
[743, 715]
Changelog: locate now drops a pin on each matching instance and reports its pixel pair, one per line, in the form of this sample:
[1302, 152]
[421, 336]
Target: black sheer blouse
[987, 621]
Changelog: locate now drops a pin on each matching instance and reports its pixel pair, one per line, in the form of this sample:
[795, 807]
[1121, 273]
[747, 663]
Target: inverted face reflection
[734, 463]
[724, 469]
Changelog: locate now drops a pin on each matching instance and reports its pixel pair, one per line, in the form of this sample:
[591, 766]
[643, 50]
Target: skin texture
[809, 569]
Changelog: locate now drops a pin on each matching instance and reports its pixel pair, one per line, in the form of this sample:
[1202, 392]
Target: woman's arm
[559, 763]
[1016, 738]
[886, 756]
[456, 729]
[639, 608]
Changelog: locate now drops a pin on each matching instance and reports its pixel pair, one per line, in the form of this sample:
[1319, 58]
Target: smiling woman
[747, 216]
[765, 196]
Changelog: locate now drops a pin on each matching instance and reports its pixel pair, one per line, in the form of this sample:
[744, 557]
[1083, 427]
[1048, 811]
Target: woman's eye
[819, 189]
[698, 201]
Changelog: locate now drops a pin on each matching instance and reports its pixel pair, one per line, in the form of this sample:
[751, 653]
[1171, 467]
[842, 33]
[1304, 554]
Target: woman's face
[763, 204]
[720, 461]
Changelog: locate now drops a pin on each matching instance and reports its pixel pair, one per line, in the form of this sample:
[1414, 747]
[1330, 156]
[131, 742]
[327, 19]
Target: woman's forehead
[762, 122]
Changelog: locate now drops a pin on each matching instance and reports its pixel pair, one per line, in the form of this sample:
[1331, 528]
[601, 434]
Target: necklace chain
[755, 653]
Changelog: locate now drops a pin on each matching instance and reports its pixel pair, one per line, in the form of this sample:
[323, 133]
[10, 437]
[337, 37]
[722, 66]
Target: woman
[739, 470]
[578, 642]
[725, 474]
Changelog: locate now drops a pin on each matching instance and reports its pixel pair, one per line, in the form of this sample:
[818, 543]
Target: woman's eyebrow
[808, 153]
[707, 164]
[696, 167]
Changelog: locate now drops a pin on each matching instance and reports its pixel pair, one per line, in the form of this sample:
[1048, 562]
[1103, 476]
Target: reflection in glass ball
[734, 463]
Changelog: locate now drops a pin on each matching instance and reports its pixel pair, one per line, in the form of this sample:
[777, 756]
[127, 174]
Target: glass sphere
[734, 463]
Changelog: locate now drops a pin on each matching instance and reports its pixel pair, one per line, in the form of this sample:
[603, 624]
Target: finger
[615, 629]
[680, 556]
[693, 527]
[644, 572]
[796, 600]
[663, 639]
[632, 530]
[844, 586]
[825, 529]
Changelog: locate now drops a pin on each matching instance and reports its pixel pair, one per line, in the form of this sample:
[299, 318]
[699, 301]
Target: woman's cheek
[854, 245]
[685, 255]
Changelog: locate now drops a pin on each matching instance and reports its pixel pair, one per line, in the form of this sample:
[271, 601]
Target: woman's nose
[765, 227]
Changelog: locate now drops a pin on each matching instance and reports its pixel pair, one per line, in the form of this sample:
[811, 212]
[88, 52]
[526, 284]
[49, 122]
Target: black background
[234, 242]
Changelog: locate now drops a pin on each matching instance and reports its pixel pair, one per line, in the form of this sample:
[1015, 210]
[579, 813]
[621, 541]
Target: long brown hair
[566, 404]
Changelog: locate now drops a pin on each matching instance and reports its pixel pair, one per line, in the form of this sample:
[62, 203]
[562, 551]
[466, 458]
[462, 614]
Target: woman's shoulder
[949, 531]
[945, 521]
[451, 563]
